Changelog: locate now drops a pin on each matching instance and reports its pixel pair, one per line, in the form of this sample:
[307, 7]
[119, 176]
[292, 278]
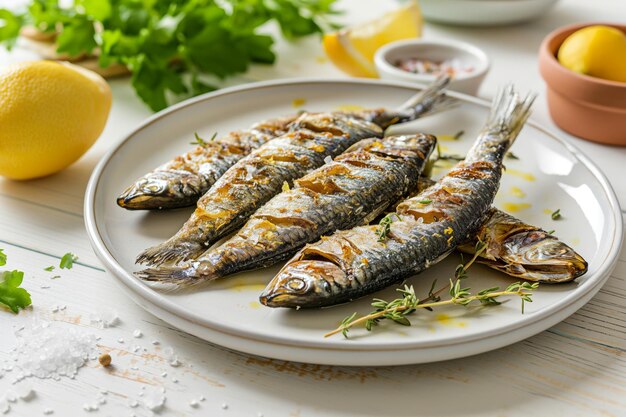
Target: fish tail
[429, 101]
[171, 252]
[508, 113]
[179, 277]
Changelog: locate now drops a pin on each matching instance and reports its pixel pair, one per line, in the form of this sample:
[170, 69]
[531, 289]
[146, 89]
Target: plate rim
[142, 290]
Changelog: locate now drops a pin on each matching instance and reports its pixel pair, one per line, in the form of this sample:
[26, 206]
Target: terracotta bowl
[588, 107]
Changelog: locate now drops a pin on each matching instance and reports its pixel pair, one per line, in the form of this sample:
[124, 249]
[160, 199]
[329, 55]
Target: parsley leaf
[10, 294]
[3, 257]
[167, 45]
[49, 269]
[67, 261]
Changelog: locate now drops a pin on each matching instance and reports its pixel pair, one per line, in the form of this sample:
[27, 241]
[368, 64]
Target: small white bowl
[484, 12]
[468, 55]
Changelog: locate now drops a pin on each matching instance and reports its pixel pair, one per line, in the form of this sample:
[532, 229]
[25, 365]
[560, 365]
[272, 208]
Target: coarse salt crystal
[154, 400]
[133, 403]
[164, 374]
[5, 407]
[224, 406]
[46, 351]
[155, 342]
[202, 398]
[48, 411]
[194, 403]
[10, 396]
[137, 333]
[120, 340]
[25, 392]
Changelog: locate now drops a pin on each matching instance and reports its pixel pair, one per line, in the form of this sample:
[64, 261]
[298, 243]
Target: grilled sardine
[255, 179]
[353, 189]
[183, 180]
[356, 262]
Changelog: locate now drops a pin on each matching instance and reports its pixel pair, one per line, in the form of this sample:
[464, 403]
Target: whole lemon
[50, 115]
[598, 51]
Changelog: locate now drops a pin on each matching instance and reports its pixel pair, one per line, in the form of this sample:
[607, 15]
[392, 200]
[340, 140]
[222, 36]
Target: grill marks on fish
[337, 195]
[255, 179]
[183, 180]
[353, 263]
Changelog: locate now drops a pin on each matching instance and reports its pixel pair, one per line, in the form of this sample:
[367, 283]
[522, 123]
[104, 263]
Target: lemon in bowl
[597, 51]
[51, 113]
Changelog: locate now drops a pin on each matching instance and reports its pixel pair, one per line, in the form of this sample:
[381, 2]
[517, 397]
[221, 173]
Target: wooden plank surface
[577, 368]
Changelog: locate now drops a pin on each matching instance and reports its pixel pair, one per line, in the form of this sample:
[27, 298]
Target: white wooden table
[577, 368]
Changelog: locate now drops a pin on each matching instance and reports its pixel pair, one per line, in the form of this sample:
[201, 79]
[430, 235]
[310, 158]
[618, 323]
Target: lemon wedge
[598, 51]
[352, 49]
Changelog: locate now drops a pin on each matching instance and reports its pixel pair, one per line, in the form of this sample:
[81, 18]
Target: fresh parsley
[67, 261]
[49, 269]
[11, 294]
[170, 46]
[556, 215]
[3, 257]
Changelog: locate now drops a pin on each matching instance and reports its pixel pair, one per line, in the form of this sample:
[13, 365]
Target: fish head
[305, 283]
[162, 189]
[538, 256]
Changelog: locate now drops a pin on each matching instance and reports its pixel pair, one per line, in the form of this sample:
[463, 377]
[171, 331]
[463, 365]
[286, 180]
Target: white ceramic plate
[549, 174]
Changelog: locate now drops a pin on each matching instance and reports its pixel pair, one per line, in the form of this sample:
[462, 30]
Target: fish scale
[428, 226]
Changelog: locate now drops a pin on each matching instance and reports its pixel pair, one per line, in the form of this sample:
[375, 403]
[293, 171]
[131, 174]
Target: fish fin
[171, 252]
[179, 277]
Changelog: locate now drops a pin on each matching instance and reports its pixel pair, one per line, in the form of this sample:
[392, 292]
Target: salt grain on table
[47, 351]
[137, 333]
[48, 411]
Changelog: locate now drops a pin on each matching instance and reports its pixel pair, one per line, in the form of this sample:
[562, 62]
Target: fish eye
[295, 284]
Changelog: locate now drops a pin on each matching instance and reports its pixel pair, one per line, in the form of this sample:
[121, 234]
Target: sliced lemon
[352, 49]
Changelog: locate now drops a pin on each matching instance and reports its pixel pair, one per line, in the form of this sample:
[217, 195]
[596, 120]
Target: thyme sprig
[384, 226]
[397, 310]
[202, 142]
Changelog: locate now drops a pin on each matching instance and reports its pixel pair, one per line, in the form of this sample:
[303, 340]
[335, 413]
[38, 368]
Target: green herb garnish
[202, 142]
[551, 232]
[511, 155]
[425, 201]
[556, 215]
[3, 257]
[459, 134]
[49, 269]
[397, 310]
[11, 294]
[67, 261]
[384, 226]
[169, 46]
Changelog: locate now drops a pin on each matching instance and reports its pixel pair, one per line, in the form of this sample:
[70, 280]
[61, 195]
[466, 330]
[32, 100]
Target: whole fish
[356, 262]
[353, 189]
[255, 179]
[520, 249]
[183, 180]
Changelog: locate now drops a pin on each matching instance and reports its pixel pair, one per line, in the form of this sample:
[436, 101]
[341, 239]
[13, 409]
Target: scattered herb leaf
[425, 201]
[556, 215]
[67, 261]
[11, 294]
[49, 269]
[3, 257]
[384, 226]
[511, 155]
[459, 134]
[551, 232]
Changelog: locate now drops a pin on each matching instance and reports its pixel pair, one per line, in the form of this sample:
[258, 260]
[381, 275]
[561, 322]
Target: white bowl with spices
[421, 61]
